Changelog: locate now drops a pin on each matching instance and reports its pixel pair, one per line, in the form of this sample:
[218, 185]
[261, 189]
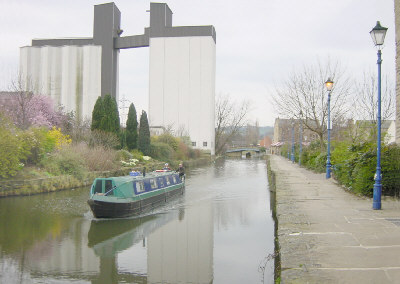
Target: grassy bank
[30, 185]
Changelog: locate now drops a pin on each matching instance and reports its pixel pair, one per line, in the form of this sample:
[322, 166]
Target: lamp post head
[378, 34]
[329, 84]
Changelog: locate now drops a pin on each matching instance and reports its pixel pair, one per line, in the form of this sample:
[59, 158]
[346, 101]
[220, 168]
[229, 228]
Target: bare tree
[366, 98]
[23, 96]
[252, 134]
[230, 116]
[304, 96]
[365, 106]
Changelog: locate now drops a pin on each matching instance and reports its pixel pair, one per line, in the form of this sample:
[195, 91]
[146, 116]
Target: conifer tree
[97, 113]
[131, 128]
[110, 118]
[144, 134]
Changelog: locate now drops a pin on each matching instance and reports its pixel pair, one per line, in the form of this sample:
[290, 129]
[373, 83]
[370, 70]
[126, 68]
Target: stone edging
[272, 188]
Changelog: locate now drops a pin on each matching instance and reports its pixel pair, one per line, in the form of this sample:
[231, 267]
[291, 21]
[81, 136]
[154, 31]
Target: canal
[220, 231]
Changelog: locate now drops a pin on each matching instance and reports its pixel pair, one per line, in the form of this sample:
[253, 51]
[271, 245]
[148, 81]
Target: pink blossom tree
[27, 109]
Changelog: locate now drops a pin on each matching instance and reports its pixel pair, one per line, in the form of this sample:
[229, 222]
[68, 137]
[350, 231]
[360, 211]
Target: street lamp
[329, 86]
[301, 137]
[292, 152]
[378, 36]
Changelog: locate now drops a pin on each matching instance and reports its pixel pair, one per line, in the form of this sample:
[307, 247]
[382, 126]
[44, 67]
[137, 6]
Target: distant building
[266, 142]
[364, 128]
[283, 131]
[390, 136]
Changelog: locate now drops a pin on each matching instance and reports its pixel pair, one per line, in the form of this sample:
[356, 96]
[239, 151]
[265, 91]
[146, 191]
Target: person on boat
[166, 167]
[144, 171]
[181, 171]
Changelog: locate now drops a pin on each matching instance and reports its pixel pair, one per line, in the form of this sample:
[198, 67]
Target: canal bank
[328, 235]
[57, 183]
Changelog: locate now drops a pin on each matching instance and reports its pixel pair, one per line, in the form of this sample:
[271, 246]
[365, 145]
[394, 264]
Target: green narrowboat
[118, 197]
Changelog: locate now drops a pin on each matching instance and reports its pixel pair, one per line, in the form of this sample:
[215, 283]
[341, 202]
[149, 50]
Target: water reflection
[218, 232]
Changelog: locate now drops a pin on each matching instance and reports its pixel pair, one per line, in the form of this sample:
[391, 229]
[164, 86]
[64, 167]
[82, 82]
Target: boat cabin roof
[125, 186]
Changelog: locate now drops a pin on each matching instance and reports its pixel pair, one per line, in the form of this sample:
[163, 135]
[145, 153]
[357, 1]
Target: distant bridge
[242, 151]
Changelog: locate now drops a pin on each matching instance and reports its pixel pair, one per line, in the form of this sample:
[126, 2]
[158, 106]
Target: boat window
[161, 182]
[139, 187]
[98, 187]
[167, 181]
[174, 179]
[153, 183]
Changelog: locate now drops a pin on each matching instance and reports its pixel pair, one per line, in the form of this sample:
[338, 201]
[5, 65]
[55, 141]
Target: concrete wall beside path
[328, 235]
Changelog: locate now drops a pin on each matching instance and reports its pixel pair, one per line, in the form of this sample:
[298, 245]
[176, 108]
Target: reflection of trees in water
[21, 226]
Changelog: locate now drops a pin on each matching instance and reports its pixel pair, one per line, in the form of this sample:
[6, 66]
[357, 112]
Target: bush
[12, 150]
[390, 163]
[58, 137]
[97, 158]
[312, 157]
[136, 154]
[123, 155]
[161, 151]
[168, 139]
[105, 139]
[38, 142]
[343, 160]
[66, 161]
[182, 151]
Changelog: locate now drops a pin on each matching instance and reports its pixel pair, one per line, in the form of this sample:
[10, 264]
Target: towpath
[328, 235]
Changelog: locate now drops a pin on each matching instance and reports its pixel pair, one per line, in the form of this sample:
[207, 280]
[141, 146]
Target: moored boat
[117, 197]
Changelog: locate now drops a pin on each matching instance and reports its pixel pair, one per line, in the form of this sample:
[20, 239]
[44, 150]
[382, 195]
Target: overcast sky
[259, 42]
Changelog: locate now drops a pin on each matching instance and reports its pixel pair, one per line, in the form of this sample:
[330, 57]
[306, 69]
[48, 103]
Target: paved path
[328, 235]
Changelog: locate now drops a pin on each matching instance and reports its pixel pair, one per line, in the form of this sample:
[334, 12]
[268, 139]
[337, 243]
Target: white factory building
[76, 71]
[182, 87]
[70, 75]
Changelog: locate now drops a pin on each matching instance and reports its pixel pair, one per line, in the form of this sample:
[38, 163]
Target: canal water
[220, 231]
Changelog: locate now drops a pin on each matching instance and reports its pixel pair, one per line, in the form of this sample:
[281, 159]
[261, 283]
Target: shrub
[59, 138]
[168, 139]
[343, 163]
[136, 154]
[65, 161]
[97, 158]
[105, 139]
[390, 163]
[123, 155]
[194, 153]
[161, 151]
[182, 151]
[12, 150]
[39, 143]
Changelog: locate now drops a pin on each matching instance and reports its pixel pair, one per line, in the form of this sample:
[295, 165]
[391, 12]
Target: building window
[204, 144]
[194, 144]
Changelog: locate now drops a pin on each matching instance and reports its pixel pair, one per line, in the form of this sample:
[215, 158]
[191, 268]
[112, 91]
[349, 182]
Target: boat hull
[106, 209]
